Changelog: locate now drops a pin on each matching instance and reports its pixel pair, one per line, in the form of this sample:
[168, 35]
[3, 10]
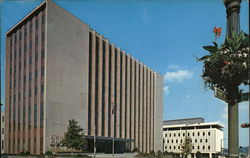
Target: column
[100, 71]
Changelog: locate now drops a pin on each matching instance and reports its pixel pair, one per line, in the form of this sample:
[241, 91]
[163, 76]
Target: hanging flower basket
[227, 65]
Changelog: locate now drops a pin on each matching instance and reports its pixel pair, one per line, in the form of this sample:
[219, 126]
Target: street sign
[220, 94]
[244, 97]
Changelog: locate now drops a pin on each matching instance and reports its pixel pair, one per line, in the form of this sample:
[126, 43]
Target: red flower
[226, 62]
[217, 31]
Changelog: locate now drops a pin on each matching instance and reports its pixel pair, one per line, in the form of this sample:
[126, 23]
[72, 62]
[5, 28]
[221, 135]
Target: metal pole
[233, 10]
[113, 141]
[94, 143]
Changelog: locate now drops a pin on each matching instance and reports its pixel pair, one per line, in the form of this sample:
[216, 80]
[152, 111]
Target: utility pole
[233, 10]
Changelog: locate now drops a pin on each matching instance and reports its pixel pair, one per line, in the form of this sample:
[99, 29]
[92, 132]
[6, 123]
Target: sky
[166, 35]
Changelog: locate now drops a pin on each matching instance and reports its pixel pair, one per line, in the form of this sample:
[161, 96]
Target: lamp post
[233, 9]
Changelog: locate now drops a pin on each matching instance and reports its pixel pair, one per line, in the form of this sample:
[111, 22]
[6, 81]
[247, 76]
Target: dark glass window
[29, 116]
[30, 26]
[29, 92]
[30, 76]
[41, 115]
[35, 90]
[42, 88]
[30, 44]
[43, 19]
[42, 71]
[36, 23]
[35, 115]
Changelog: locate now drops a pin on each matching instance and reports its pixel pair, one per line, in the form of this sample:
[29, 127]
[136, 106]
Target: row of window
[188, 134]
[30, 28]
[25, 78]
[14, 143]
[25, 47]
[29, 117]
[193, 147]
[196, 141]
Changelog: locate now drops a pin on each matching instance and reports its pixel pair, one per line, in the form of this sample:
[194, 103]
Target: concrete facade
[207, 138]
[69, 71]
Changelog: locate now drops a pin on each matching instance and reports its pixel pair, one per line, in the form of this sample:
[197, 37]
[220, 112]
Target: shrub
[159, 153]
[49, 153]
[135, 150]
[152, 152]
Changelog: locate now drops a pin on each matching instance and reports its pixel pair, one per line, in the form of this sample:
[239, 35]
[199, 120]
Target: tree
[74, 137]
[186, 147]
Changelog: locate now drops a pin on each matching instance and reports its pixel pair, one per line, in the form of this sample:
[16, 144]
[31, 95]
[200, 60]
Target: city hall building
[58, 68]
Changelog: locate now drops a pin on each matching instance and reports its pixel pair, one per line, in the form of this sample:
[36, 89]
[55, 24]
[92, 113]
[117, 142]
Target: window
[206, 140]
[42, 71]
[42, 53]
[203, 147]
[183, 134]
[193, 133]
[35, 115]
[36, 74]
[35, 90]
[29, 92]
[30, 76]
[165, 135]
[41, 115]
[174, 134]
[198, 133]
[201, 140]
[170, 135]
[203, 133]
[208, 147]
[43, 19]
[167, 141]
[42, 88]
[179, 134]
[29, 116]
[172, 141]
[198, 147]
[209, 133]
[176, 140]
[30, 60]
[36, 23]
[36, 40]
[181, 140]
[165, 147]
[30, 26]
[30, 44]
[188, 134]
[192, 147]
[174, 147]
[2, 118]
[195, 140]
[36, 56]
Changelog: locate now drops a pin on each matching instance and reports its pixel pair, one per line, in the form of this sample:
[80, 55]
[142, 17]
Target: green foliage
[198, 154]
[135, 150]
[49, 153]
[152, 152]
[159, 153]
[227, 64]
[74, 137]
[186, 147]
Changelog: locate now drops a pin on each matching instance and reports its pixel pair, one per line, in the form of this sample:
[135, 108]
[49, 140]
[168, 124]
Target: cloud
[173, 66]
[188, 96]
[178, 76]
[166, 89]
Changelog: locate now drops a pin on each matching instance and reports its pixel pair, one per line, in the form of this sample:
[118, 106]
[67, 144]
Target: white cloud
[178, 76]
[173, 66]
[188, 96]
[166, 89]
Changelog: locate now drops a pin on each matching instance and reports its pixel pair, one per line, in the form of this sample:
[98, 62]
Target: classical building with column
[207, 137]
[58, 68]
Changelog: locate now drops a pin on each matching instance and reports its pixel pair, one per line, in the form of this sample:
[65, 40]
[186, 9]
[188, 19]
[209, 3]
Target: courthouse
[58, 68]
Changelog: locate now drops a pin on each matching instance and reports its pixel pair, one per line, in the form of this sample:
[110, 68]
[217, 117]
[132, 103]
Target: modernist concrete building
[207, 138]
[2, 132]
[58, 68]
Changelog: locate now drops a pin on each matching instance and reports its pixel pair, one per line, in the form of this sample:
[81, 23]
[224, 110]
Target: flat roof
[195, 125]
